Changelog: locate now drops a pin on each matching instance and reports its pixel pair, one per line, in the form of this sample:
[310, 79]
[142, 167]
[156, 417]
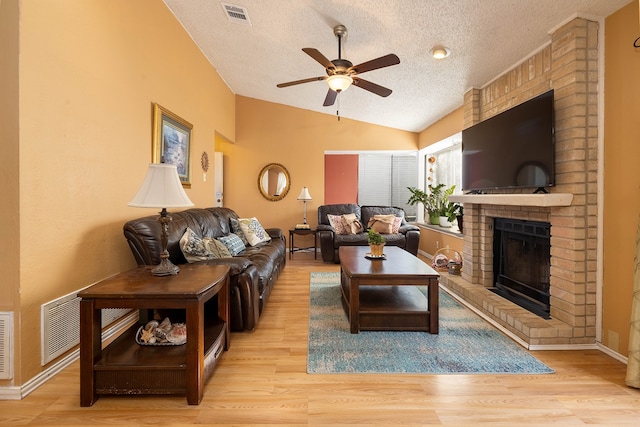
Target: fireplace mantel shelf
[543, 200]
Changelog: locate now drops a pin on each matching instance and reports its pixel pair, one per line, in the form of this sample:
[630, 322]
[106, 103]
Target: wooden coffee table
[382, 294]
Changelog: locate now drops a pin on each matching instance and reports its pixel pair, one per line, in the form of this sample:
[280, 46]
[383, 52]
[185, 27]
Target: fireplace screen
[522, 260]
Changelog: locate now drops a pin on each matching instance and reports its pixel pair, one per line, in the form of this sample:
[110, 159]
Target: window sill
[452, 231]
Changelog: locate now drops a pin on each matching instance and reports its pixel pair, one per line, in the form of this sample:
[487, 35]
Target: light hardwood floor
[262, 379]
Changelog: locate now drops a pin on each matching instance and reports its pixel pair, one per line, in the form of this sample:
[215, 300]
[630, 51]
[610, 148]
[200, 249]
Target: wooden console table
[125, 367]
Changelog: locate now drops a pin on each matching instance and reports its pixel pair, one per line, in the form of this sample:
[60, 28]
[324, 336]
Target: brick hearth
[569, 65]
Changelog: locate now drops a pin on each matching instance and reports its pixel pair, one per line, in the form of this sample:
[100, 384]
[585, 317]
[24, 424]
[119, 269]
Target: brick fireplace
[569, 65]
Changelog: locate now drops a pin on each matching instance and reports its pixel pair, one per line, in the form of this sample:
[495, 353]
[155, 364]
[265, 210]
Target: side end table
[303, 232]
[125, 367]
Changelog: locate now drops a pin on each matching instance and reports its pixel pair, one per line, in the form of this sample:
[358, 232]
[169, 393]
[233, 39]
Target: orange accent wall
[340, 178]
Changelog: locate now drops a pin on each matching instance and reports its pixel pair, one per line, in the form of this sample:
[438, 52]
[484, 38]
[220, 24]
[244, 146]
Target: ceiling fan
[341, 73]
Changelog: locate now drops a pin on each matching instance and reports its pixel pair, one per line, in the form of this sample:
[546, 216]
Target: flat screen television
[513, 149]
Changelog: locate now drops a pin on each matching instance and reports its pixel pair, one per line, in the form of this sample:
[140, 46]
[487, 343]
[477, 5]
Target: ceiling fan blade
[330, 99]
[315, 54]
[372, 87]
[297, 82]
[374, 64]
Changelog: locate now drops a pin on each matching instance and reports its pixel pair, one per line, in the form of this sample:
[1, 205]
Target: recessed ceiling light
[440, 52]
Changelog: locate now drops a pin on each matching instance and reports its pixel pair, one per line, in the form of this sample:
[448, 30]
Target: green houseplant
[430, 201]
[376, 243]
[446, 209]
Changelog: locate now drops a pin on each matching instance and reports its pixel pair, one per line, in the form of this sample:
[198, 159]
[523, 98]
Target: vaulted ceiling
[485, 37]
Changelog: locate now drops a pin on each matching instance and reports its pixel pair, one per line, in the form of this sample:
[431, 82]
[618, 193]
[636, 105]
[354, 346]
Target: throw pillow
[383, 224]
[397, 222]
[352, 223]
[235, 228]
[193, 247]
[233, 244]
[253, 231]
[216, 248]
[338, 224]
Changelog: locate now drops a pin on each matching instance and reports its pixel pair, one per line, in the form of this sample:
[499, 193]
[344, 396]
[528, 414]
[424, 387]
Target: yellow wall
[9, 185]
[296, 138]
[449, 125]
[432, 240]
[89, 72]
[622, 175]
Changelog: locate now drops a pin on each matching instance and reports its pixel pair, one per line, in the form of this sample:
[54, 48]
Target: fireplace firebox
[521, 263]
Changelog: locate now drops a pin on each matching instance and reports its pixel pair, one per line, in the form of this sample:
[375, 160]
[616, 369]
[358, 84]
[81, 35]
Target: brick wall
[569, 65]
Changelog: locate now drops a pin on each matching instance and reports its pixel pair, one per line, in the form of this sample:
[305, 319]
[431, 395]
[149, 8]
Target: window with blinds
[383, 179]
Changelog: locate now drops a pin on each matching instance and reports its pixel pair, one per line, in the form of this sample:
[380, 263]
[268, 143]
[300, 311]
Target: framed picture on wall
[171, 142]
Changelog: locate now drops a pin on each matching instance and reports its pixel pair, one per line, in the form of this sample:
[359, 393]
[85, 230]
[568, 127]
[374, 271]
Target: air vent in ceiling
[236, 14]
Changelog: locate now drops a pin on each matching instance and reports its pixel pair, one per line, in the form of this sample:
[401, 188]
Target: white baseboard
[19, 392]
[612, 353]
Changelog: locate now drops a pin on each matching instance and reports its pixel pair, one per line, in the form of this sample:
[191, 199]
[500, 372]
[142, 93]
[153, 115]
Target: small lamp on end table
[305, 197]
[162, 189]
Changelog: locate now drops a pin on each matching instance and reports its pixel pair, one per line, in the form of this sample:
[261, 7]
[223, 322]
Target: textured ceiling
[486, 38]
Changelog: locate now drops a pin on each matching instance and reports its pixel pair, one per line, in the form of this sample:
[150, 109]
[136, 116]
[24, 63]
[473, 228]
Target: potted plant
[449, 213]
[446, 209]
[430, 201]
[376, 243]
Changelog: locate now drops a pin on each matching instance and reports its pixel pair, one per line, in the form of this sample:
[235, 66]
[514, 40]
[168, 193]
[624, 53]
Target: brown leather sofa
[408, 236]
[253, 272]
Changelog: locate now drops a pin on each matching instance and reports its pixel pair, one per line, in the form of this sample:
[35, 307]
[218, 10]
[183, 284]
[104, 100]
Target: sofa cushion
[385, 224]
[193, 247]
[352, 223]
[216, 248]
[235, 228]
[253, 231]
[233, 243]
[338, 224]
[369, 212]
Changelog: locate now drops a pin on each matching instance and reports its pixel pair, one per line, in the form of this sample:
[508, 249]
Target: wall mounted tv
[513, 149]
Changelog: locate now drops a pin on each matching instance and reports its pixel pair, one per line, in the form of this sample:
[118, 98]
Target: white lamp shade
[161, 188]
[304, 194]
[339, 82]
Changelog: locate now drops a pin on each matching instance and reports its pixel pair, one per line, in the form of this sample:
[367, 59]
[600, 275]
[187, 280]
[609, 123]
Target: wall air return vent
[60, 329]
[236, 14]
[6, 345]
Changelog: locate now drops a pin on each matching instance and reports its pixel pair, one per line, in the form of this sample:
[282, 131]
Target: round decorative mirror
[274, 182]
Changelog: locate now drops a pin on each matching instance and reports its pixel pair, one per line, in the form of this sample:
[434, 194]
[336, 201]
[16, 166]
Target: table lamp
[162, 189]
[305, 197]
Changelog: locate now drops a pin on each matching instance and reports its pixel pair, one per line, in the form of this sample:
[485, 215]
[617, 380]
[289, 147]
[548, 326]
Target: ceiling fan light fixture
[339, 82]
[440, 52]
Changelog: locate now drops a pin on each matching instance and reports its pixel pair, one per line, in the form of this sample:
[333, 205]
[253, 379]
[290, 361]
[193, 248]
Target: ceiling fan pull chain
[338, 106]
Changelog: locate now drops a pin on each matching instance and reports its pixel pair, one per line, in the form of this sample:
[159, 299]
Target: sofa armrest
[408, 227]
[274, 233]
[325, 227]
[326, 236]
[413, 241]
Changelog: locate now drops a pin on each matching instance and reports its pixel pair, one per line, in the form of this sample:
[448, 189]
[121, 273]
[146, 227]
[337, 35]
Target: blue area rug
[466, 343]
